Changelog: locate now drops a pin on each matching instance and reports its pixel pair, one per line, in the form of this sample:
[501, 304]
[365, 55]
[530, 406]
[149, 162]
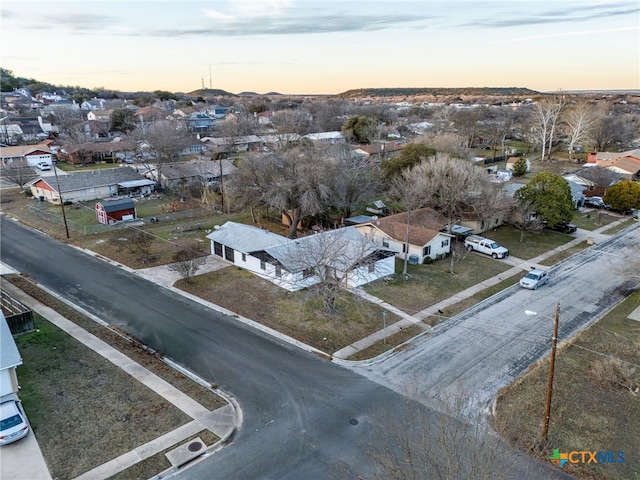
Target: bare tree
[165, 142]
[467, 121]
[524, 218]
[330, 260]
[18, 173]
[610, 131]
[579, 120]
[544, 118]
[294, 182]
[453, 443]
[408, 189]
[187, 261]
[451, 185]
[458, 253]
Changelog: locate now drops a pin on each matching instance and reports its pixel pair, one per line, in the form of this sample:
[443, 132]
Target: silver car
[534, 279]
[13, 422]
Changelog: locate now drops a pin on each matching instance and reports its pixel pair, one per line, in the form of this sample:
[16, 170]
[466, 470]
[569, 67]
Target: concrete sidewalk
[222, 421]
[435, 311]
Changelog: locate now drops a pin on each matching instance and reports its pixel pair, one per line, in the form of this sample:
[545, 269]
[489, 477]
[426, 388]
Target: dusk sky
[308, 46]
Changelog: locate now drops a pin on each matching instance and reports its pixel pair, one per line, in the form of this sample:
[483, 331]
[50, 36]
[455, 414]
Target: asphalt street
[302, 414]
[495, 342]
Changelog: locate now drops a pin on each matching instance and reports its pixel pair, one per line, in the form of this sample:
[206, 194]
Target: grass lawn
[430, 283]
[534, 244]
[560, 256]
[586, 414]
[380, 347]
[296, 314]
[593, 220]
[83, 409]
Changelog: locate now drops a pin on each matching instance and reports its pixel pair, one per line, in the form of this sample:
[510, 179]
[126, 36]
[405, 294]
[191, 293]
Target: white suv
[534, 279]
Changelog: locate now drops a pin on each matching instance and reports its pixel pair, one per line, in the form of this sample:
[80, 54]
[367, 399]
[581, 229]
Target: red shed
[111, 211]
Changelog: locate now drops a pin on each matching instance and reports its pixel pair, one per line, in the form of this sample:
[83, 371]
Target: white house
[425, 237]
[9, 359]
[289, 263]
[31, 154]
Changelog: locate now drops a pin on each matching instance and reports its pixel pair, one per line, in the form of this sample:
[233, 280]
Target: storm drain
[187, 452]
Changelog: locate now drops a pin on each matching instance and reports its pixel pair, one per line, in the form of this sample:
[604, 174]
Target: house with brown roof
[31, 154]
[422, 230]
[628, 166]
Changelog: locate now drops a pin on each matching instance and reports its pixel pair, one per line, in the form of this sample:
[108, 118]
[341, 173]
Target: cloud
[566, 34]
[576, 13]
[75, 22]
[229, 26]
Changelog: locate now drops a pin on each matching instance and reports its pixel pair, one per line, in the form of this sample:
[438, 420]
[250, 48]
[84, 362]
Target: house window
[278, 271]
[404, 247]
[263, 265]
[244, 257]
[385, 242]
[445, 242]
[426, 251]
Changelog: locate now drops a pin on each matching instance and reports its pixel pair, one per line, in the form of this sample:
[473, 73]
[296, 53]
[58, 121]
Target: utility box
[413, 260]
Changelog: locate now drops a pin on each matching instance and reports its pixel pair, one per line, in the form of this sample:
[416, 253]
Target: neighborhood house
[355, 260]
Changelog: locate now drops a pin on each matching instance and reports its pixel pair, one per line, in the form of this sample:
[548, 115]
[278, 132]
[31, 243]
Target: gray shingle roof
[9, 355]
[94, 178]
[245, 238]
[117, 205]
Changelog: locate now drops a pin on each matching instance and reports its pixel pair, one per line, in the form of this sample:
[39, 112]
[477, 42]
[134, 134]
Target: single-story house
[31, 154]
[287, 263]
[199, 172]
[628, 167]
[96, 152]
[426, 238]
[326, 137]
[91, 185]
[115, 210]
[9, 359]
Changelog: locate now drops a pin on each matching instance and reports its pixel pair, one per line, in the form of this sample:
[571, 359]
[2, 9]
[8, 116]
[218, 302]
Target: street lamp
[554, 342]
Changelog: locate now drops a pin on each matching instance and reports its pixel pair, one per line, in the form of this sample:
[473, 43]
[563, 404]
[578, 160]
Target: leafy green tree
[360, 129]
[412, 154]
[163, 95]
[122, 120]
[520, 167]
[551, 197]
[624, 195]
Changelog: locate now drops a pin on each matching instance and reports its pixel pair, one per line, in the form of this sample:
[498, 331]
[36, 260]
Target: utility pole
[64, 217]
[554, 342]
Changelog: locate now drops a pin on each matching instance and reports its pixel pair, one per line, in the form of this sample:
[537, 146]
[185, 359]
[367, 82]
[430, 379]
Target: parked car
[564, 227]
[43, 166]
[13, 422]
[595, 202]
[534, 279]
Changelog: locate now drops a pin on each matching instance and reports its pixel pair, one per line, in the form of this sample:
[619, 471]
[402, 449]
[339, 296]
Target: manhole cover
[353, 421]
[194, 446]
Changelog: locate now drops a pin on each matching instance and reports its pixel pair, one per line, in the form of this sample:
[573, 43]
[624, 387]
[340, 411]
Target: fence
[100, 228]
[19, 316]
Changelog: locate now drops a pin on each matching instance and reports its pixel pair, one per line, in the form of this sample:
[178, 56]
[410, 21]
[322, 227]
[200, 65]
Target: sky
[323, 47]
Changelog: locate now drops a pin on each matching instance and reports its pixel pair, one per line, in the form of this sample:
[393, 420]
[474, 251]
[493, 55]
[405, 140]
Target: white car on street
[534, 279]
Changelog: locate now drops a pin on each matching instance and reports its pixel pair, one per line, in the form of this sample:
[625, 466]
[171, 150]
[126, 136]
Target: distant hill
[211, 92]
[434, 91]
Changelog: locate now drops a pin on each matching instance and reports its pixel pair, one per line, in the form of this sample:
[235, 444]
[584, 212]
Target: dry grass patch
[83, 409]
[592, 407]
[296, 314]
[398, 338]
[431, 283]
[159, 462]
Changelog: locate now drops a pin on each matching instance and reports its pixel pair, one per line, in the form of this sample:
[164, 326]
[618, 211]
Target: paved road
[490, 345]
[301, 414]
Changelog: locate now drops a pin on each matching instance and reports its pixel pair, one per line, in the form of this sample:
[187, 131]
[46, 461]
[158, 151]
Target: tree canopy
[551, 197]
[410, 155]
[624, 195]
[360, 129]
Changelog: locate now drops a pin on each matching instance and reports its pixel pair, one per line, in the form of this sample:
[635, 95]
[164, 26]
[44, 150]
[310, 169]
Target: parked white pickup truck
[484, 245]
